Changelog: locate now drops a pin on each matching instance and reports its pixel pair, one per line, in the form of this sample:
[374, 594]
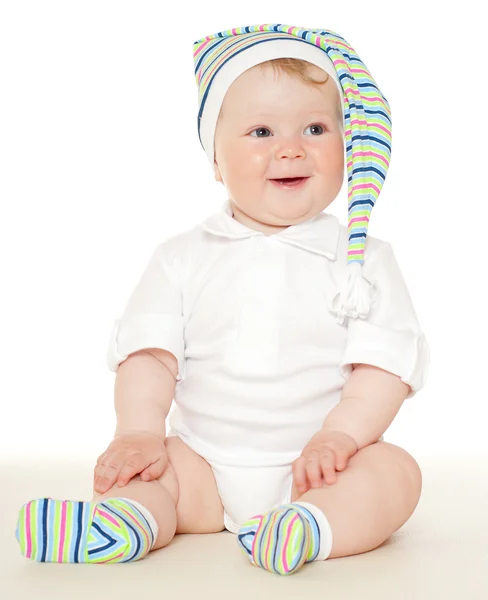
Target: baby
[279, 408]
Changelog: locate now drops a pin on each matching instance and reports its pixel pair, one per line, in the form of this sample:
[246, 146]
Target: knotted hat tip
[356, 295]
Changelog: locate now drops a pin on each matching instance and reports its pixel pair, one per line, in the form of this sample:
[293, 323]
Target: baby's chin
[289, 211]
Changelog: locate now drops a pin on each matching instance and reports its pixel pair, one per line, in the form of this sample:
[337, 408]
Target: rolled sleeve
[390, 336]
[153, 317]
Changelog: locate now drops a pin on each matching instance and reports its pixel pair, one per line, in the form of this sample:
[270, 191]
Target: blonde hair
[295, 67]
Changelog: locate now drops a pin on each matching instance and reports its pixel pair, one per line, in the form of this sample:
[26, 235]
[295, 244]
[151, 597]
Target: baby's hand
[128, 455]
[326, 452]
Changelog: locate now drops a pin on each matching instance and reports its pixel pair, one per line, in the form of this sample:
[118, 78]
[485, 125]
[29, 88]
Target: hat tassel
[356, 296]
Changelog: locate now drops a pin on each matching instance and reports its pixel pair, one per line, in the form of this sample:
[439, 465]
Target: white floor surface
[440, 553]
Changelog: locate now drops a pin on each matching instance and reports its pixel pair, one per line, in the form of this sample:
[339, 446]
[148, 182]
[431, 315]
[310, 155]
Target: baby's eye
[266, 129]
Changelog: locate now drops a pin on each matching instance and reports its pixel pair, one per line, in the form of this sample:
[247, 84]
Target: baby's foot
[281, 540]
[111, 531]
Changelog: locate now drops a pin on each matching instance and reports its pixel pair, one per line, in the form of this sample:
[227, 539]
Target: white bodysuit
[261, 360]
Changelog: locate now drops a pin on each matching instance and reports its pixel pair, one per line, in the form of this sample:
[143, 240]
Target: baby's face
[273, 125]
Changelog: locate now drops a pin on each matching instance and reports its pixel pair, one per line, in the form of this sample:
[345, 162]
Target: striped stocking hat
[221, 57]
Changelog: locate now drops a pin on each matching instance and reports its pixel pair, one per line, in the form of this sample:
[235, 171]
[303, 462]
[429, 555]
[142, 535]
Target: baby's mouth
[289, 182]
[289, 179]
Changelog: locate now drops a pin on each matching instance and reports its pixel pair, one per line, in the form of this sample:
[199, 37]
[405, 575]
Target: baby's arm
[390, 353]
[144, 390]
[370, 400]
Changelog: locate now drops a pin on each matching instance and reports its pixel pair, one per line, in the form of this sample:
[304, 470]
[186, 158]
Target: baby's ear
[218, 176]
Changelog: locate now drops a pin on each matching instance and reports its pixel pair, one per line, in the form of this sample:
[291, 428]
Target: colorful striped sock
[113, 530]
[285, 538]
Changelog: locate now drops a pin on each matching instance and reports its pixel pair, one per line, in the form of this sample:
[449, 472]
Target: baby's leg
[125, 523]
[184, 499]
[160, 500]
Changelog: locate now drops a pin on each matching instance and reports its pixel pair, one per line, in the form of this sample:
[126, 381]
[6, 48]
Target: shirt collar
[319, 234]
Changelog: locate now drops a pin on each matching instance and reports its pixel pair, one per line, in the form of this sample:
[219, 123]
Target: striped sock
[111, 531]
[285, 538]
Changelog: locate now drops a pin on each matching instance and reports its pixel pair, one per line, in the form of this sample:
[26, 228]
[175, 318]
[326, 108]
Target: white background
[100, 161]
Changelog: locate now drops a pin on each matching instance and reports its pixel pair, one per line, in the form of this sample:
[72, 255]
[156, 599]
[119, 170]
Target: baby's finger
[299, 474]
[106, 472]
[327, 465]
[133, 465]
[341, 461]
[155, 470]
[314, 472]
